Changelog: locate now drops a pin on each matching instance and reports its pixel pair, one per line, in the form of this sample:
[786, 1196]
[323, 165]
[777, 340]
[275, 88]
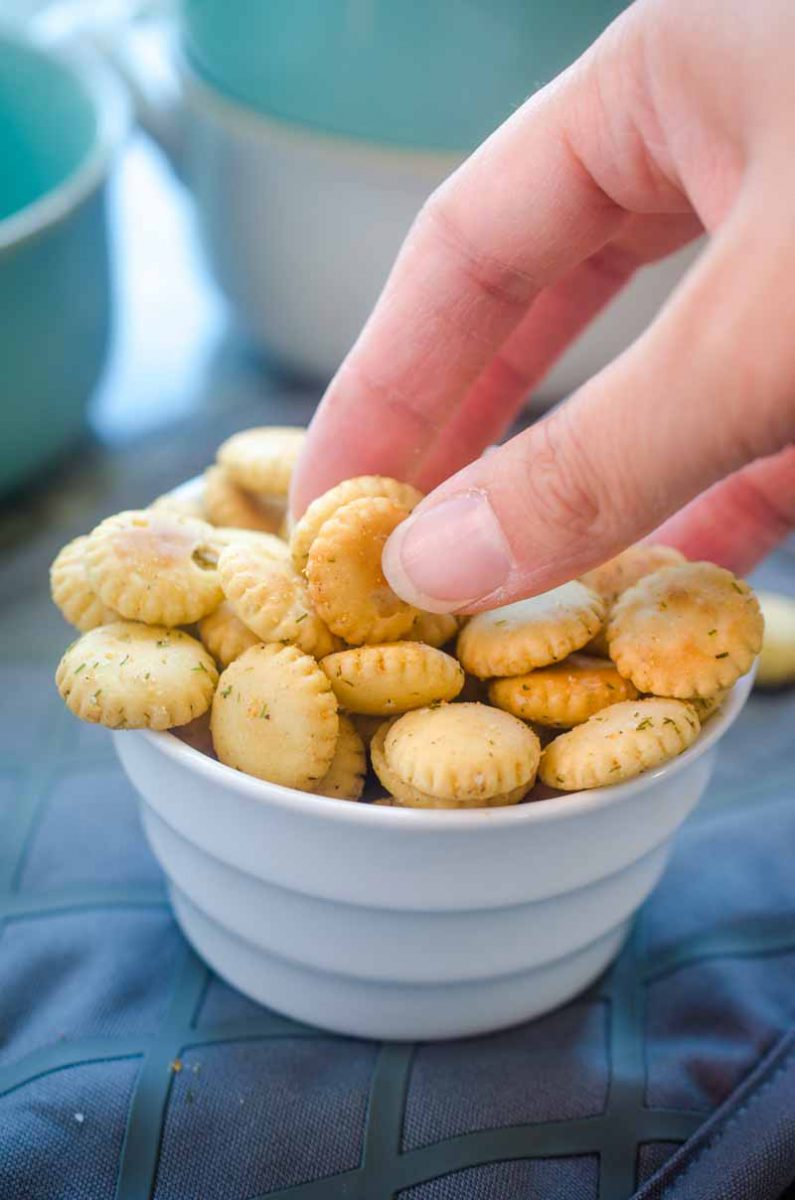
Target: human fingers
[667, 419]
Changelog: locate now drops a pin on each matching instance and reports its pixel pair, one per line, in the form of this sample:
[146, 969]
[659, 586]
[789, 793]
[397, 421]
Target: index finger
[521, 212]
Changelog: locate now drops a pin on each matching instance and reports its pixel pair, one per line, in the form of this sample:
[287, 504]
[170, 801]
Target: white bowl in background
[400, 923]
[300, 226]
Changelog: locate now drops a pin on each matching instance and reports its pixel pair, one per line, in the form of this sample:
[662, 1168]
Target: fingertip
[401, 582]
[449, 555]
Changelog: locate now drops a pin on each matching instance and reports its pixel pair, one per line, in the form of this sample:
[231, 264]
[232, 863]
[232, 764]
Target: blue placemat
[128, 1070]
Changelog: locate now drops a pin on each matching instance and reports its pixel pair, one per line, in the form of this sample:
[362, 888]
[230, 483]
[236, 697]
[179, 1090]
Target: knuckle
[443, 222]
[571, 493]
[395, 402]
[770, 508]
[612, 265]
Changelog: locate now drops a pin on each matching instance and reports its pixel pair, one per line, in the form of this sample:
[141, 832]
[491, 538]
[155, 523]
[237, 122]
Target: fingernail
[450, 556]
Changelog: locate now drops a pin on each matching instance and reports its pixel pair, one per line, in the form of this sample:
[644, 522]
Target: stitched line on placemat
[139, 1158]
[755, 937]
[730, 1120]
[385, 1112]
[626, 1051]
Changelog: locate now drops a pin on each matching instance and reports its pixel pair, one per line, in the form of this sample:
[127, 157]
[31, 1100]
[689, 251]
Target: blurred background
[197, 214]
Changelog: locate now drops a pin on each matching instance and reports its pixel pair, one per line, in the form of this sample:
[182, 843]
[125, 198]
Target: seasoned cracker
[564, 694]
[262, 460]
[72, 591]
[365, 726]
[285, 529]
[307, 528]
[707, 706]
[685, 631]
[400, 792]
[268, 543]
[434, 629]
[344, 779]
[632, 564]
[268, 596]
[777, 659]
[621, 572]
[225, 635]
[530, 633]
[133, 676]
[394, 678]
[404, 795]
[465, 753]
[344, 575]
[619, 743]
[228, 504]
[275, 716]
[155, 566]
[186, 506]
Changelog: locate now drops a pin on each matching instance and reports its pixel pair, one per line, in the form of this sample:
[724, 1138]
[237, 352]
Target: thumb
[670, 417]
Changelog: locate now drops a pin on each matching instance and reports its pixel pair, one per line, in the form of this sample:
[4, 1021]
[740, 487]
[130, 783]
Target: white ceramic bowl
[399, 923]
[301, 227]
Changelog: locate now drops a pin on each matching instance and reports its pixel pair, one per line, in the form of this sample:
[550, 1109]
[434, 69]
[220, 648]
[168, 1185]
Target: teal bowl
[61, 117]
[424, 74]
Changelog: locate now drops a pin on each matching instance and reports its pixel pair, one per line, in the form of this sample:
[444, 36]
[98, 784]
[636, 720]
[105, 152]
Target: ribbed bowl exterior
[403, 924]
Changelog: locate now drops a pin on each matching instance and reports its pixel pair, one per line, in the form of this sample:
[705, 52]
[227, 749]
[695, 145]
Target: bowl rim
[112, 115]
[251, 122]
[553, 808]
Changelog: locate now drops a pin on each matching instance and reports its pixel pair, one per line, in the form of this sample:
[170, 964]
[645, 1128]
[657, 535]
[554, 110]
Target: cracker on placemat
[777, 660]
[133, 676]
[619, 743]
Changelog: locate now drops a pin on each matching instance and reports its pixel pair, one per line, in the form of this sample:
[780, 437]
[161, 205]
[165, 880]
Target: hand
[679, 118]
